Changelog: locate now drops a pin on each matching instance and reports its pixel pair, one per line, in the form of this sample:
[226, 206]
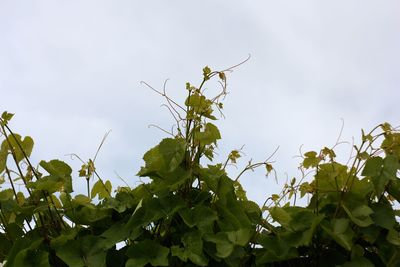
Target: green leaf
[209, 135]
[147, 252]
[82, 200]
[216, 180]
[393, 237]
[200, 215]
[357, 262]
[240, 237]
[165, 157]
[383, 215]
[88, 214]
[391, 144]
[179, 252]
[194, 248]
[17, 143]
[3, 156]
[359, 214]
[56, 167]
[114, 234]
[173, 152]
[381, 171]
[370, 233]
[223, 245]
[239, 191]
[206, 71]
[24, 250]
[67, 234]
[5, 246]
[59, 180]
[252, 210]
[6, 194]
[394, 189]
[232, 215]
[311, 159]
[302, 226]
[30, 258]
[102, 190]
[171, 181]
[386, 127]
[6, 117]
[187, 217]
[274, 249]
[82, 252]
[310, 154]
[280, 215]
[362, 188]
[331, 177]
[340, 231]
[199, 106]
[373, 166]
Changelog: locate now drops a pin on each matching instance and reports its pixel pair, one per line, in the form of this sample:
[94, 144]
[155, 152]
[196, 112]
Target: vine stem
[5, 126]
[15, 193]
[256, 165]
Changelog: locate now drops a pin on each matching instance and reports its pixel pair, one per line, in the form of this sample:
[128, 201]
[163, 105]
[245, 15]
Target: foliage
[191, 213]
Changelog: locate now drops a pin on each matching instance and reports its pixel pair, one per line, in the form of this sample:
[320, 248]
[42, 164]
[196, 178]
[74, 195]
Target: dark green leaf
[223, 245]
[340, 231]
[83, 252]
[358, 212]
[357, 262]
[274, 249]
[147, 252]
[59, 179]
[383, 215]
[194, 248]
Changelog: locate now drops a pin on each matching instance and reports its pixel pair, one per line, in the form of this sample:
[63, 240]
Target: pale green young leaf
[6, 117]
[100, 189]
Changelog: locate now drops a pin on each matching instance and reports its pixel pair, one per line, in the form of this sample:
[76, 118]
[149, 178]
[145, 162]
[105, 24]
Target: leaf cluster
[191, 213]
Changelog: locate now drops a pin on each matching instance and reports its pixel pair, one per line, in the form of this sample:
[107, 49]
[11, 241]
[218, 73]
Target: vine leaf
[280, 215]
[209, 136]
[59, 178]
[100, 189]
[163, 158]
[311, 159]
[340, 231]
[82, 252]
[381, 171]
[147, 252]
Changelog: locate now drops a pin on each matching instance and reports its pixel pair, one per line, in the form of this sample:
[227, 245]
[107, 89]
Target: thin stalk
[3, 127]
[15, 193]
[88, 187]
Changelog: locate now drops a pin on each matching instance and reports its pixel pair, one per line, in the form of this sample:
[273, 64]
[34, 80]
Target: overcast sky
[71, 71]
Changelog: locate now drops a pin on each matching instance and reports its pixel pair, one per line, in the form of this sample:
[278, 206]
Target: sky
[71, 71]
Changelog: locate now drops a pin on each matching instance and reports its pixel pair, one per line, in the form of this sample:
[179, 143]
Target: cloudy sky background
[71, 71]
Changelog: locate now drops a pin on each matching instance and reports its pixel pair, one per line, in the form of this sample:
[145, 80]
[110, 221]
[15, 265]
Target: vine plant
[191, 213]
